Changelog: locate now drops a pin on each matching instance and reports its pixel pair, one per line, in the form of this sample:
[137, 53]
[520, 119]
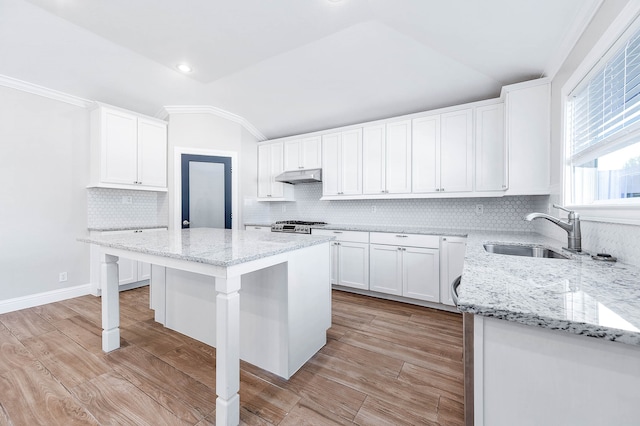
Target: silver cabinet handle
[337, 232]
[402, 236]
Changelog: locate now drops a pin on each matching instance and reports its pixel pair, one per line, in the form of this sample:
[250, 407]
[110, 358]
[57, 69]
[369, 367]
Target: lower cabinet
[452, 250]
[349, 258]
[130, 272]
[409, 270]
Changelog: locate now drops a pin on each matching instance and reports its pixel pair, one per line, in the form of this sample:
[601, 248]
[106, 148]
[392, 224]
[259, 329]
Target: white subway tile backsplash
[107, 208]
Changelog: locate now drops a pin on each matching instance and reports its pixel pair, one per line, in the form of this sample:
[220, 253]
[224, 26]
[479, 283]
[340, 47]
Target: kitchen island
[555, 341]
[227, 258]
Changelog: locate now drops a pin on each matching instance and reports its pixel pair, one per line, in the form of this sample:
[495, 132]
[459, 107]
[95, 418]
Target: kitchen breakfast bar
[288, 296]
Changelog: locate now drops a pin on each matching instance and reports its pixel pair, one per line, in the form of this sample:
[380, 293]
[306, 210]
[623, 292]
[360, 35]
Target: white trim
[38, 299]
[573, 34]
[478, 370]
[208, 109]
[177, 181]
[24, 86]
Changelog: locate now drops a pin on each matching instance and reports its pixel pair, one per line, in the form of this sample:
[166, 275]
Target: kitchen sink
[524, 250]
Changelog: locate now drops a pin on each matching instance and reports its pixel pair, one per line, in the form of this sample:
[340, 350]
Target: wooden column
[227, 351]
[110, 303]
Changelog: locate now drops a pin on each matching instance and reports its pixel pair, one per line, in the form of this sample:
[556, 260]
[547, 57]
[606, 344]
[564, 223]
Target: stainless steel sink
[523, 250]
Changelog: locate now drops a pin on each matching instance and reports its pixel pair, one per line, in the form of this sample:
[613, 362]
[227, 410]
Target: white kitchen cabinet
[405, 265]
[387, 158]
[456, 151]
[303, 154]
[270, 165]
[443, 152]
[342, 163]
[491, 149]
[452, 251]
[349, 258]
[128, 150]
[131, 274]
[528, 136]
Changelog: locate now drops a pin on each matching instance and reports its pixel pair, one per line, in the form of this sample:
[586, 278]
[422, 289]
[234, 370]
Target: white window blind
[608, 104]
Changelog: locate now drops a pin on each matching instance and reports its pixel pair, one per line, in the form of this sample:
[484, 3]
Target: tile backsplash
[500, 214]
[110, 208]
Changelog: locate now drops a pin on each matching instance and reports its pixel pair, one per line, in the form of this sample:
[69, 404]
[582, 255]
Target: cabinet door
[351, 163]
[335, 262]
[354, 265]
[491, 167]
[385, 269]
[421, 273]
[456, 151]
[373, 160]
[119, 148]
[528, 138]
[127, 271]
[425, 167]
[331, 163]
[398, 158]
[152, 153]
[452, 251]
[144, 271]
[264, 171]
[276, 161]
[292, 160]
[311, 152]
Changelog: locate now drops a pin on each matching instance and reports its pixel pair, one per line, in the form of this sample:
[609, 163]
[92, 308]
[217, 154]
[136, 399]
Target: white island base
[285, 309]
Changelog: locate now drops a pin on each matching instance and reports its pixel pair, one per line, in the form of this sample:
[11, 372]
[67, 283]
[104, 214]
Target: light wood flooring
[385, 363]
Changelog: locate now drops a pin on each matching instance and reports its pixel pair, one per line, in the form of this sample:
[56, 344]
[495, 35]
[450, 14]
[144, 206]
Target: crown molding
[573, 34]
[24, 86]
[208, 109]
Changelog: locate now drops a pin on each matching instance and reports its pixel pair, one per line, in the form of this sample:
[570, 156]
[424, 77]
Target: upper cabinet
[491, 149]
[128, 150]
[528, 136]
[386, 158]
[443, 152]
[303, 154]
[342, 163]
[270, 165]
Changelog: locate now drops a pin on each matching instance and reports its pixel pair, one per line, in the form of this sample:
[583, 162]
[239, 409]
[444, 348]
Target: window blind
[609, 103]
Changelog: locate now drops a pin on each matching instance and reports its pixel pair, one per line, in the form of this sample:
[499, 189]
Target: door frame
[177, 181]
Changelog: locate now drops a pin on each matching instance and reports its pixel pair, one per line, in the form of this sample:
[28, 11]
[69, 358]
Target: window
[603, 132]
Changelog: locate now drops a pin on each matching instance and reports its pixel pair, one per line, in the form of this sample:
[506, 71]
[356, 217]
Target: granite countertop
[219, 247]
[125, 228]
[577, 295]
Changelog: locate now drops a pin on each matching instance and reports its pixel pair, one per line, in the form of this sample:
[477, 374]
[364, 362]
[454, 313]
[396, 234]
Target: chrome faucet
[572, 226]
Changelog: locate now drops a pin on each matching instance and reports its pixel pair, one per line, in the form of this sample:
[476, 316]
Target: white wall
[44, 168]
[203, 131]
[622, 241]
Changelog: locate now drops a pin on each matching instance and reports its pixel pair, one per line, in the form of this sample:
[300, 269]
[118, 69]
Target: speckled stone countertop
[577, 295]
[125, 228]
[219, 247]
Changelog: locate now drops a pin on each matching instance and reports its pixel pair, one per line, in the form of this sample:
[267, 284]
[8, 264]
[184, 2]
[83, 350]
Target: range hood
[300, 176]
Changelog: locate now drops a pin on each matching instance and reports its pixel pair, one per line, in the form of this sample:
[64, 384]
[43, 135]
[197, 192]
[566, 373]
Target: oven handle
[454, 289]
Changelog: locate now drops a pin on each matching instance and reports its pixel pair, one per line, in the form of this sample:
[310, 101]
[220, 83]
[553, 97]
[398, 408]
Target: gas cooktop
[295, 226]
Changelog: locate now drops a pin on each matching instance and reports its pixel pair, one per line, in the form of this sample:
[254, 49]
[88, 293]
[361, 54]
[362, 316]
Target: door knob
[186, 223]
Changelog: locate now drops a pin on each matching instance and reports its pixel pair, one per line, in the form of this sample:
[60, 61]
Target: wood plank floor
[385, 363]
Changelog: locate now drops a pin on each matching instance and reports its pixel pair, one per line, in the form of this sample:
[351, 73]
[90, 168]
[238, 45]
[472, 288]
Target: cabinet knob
[442, 189]
[437, 189]
[444, 239]
[402, 236]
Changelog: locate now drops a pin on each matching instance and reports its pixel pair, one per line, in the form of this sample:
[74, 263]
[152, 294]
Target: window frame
[624, 211]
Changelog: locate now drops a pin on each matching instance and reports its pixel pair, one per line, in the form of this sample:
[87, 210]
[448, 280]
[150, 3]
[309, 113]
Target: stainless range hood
[300, 176]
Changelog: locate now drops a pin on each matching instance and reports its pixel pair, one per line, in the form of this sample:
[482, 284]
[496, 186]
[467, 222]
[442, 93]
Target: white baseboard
[38, 299]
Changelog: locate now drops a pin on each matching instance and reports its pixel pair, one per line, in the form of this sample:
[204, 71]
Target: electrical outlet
[479, 209]
[373, 209]
[284, 208]
[127, 199]
[63, 277]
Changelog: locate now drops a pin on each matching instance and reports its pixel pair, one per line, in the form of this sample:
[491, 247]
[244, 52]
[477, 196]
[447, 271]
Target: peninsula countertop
[577, 295]
[219, 247]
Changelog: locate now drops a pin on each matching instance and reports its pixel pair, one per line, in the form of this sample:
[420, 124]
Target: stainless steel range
[295, 226]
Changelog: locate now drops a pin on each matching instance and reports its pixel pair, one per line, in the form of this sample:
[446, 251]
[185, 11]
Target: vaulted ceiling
[287, 66]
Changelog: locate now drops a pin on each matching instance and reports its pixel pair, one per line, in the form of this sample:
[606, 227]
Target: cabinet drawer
[398, 239]
[351, 236]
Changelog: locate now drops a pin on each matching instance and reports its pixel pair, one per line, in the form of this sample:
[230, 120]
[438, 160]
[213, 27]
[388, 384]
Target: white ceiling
[286, 66]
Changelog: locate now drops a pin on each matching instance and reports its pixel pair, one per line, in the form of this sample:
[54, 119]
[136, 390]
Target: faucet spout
[572, 226]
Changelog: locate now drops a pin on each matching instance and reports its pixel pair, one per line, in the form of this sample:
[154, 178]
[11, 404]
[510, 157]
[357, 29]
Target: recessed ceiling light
[185, 68]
